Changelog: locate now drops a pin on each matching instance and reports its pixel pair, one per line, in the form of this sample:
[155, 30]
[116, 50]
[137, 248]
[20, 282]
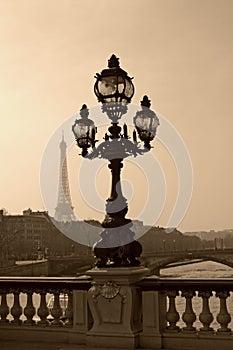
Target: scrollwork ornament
[95, 291]
[122, 294]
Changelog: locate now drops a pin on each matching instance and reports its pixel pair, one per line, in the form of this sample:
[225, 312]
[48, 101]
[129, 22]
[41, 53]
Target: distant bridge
[72, 266]
[159, 260]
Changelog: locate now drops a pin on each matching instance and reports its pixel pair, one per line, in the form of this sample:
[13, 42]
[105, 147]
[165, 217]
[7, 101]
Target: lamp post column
[115, 166]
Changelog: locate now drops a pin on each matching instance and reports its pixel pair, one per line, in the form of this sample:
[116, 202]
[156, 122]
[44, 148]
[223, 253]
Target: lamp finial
[145, 102]
[84, 112]
[113, 62]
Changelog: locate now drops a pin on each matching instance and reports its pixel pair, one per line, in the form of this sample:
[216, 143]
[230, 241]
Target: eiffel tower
[64, 209]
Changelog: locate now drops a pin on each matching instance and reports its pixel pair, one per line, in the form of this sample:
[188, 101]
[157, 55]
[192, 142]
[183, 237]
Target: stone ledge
[123, 275]
[14, 345]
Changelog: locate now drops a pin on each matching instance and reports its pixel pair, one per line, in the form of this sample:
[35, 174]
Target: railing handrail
[78, 283]
[157, 283]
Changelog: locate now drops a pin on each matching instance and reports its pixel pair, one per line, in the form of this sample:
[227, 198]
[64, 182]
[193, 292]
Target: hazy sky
[180, 53]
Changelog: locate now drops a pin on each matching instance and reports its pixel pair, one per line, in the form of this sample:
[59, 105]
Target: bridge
[119, 308]
[73, 266]
[157, 261]
[115, 309]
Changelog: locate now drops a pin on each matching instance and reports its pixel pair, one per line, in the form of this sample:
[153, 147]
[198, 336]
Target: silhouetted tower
[64, 210]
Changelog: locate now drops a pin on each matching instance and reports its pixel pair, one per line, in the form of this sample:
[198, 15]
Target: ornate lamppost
[115, 89]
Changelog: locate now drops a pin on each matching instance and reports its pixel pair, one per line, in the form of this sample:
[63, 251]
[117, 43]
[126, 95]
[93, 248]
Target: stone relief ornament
[95, 291]
[109, 290]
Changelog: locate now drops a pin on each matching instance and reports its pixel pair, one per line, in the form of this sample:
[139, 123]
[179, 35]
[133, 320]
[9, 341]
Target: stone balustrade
[118, 306]
[175, 325]
[49, 309]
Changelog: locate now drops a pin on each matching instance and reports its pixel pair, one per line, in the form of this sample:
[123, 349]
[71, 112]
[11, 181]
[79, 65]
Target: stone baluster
[172, 316]
[188, 316]
[223, 317]
[29, 310]
[206, 316]
[16, 310]
[56, 311]
[43, 309]
[69, 310]
[4, 309]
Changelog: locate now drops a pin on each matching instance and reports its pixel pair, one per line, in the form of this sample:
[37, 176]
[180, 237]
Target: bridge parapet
[187, 314]
[176, 314]
[43, 309]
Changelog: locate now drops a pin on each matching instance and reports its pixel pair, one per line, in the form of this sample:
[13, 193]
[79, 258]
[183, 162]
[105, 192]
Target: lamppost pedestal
[115, 304]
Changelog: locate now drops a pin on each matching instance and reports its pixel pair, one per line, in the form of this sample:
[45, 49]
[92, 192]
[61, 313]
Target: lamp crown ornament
[145, 102]
[84, 112]
[113, 62]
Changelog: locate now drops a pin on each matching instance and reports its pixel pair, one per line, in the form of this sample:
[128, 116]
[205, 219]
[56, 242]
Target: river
[205, 269]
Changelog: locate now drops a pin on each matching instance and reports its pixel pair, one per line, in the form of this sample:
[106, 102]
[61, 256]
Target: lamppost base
[114, 301]
[117, 248]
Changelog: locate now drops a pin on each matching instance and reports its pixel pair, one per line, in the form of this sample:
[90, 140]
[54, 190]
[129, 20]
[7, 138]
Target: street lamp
[114, 89]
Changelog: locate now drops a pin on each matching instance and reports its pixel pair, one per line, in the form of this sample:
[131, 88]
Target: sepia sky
[180, 53]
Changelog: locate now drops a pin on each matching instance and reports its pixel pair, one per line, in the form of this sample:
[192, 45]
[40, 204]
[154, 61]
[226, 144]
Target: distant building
[157, 239]
[222, 239]
[33, 236]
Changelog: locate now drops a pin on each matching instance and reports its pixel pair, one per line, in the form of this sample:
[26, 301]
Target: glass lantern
[146, 122]
[84, 131]
[113, 84]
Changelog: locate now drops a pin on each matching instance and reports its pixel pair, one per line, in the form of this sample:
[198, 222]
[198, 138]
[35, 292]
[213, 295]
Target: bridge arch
[162, 262]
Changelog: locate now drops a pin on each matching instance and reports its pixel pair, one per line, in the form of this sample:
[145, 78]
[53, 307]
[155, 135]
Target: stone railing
[118, 306]
[186, 314]
[46, 309]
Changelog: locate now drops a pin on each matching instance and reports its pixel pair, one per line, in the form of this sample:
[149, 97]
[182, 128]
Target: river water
[205, 269]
